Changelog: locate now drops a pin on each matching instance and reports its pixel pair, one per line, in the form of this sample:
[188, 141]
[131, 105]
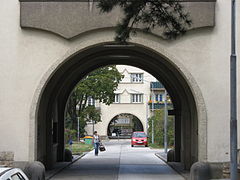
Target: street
[120, 161]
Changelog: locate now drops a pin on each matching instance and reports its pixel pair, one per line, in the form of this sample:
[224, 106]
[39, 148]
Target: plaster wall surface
[28, 57]
[62, 17]
[107, 116]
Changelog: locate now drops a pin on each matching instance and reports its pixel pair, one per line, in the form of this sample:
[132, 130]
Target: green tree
[148, 14]
[97, 85]
[158, 121]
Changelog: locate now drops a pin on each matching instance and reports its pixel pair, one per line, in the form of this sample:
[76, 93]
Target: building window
[136, 77]
[91, 101]
[158, 97]
[136, 98]
[117, 98]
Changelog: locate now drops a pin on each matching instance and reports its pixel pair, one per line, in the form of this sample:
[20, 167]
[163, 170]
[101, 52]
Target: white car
[7, 173]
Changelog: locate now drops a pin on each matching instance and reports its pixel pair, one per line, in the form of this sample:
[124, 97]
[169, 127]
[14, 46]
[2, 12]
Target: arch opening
[50, 111]
[123, 125]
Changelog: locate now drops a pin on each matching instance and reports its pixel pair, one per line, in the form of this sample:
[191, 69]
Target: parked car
[139, 138]
[7, 173]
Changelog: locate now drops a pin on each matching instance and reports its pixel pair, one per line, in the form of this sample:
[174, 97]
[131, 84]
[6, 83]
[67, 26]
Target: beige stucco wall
[108, 113]
[29, 56]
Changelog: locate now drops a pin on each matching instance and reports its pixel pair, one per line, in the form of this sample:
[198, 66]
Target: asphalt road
[119, 162]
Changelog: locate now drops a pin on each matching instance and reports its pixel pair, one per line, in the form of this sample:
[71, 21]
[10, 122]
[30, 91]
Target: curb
[175, 169]
[64, 167]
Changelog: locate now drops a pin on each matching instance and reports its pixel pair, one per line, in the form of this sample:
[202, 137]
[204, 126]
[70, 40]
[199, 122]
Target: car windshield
[140, 135]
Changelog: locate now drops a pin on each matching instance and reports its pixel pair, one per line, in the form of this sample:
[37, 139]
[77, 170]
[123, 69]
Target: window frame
[158, 97]
[136, 77]
[91, 101]
[136, 98]
[117, 95]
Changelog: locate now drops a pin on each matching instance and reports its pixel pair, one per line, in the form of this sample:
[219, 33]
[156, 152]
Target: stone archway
[123, 125]
[189, 109]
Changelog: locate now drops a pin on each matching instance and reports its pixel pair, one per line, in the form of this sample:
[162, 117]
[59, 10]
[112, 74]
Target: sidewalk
[59, 166]
[177, 166]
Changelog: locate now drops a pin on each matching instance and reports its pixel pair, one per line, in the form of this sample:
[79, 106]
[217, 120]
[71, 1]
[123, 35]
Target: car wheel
[146, 145]
[132, 145]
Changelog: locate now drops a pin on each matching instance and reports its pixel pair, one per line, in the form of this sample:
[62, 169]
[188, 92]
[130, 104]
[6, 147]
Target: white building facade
[132, 97]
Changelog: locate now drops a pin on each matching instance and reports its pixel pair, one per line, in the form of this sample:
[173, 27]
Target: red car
[139, 138]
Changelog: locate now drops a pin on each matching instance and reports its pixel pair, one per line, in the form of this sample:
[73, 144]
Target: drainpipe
[233, 93]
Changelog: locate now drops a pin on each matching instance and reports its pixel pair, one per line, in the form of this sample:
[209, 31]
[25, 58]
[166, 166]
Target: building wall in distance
[125, 89]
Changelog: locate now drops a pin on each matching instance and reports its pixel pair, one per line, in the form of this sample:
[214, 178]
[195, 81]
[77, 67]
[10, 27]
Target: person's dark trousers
[96, 147]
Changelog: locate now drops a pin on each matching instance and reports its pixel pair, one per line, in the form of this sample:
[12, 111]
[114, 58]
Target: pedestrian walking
[96, 142]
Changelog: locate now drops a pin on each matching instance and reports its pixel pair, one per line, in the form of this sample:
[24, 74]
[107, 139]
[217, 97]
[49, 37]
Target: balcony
[156, 85]
[156, 106]
[159, 105]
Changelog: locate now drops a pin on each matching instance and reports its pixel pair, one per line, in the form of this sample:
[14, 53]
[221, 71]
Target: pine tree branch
[167, 14]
